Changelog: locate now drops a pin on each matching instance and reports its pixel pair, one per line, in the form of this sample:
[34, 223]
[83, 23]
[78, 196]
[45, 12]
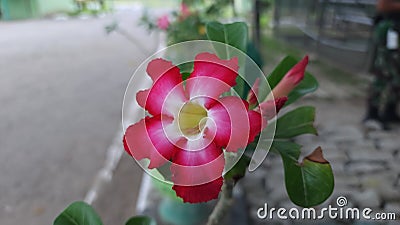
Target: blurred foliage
[266, 3]
[190, 26]
[90, 7]
[81, 213]
[111, 27]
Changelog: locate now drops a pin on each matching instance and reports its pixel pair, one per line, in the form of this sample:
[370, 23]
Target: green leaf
[310, 182]
[239, 169]
[280, 70]
[185, 76]
[308, 85]
[140, 220]
[255, 54]
[186, 69]
[296, 122]
[286, 149]
[78, 213]
[234, 34]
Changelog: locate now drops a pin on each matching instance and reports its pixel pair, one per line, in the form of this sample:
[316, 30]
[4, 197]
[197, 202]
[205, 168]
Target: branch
[223, 204]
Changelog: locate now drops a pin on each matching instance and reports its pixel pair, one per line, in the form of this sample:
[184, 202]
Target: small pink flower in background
[163, 22]
[290, 80]
[185, 11]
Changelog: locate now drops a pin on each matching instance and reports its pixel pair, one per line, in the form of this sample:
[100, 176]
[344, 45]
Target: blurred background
[64, 67]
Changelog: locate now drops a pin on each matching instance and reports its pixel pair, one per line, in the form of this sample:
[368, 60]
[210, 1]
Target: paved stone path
[365, 161]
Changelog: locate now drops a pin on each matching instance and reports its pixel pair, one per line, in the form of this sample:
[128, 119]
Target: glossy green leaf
[234, 34]
[78, 213]
[254, 57]
[255, 54]
[286, 149]
[308, 85]
[296, 122]
[310, 182]
[140, 220]
[280, 70]
[185, 75]
[186, 69]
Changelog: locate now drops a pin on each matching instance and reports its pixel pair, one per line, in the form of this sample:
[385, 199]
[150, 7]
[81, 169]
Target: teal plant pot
[179, 213]
[173, 210]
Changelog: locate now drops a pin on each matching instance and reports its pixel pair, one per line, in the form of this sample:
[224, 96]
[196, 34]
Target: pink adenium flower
[163, 22]
[290, 80]
[185, 11]
[190, 124]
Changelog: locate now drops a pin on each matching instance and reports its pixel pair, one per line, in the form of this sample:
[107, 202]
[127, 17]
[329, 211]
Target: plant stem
[223, 205]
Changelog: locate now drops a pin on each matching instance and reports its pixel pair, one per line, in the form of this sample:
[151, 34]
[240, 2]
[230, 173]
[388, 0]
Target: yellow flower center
[192, 119]
[202, 30]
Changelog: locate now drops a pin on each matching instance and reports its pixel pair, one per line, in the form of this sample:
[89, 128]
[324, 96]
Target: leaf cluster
[308, 182]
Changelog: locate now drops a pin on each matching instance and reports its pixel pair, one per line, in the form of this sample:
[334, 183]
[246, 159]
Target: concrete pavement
[61, 91]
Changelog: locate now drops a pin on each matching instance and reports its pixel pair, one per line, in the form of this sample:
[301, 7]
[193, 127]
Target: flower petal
[252, 96]
[185, 11]
[231, 119]
[257, 124]
[269, 109]
[210, 69]
[167, 83]
[197, 175]
[195, 167]
[163, 22]
[199, 193]
[147, 139]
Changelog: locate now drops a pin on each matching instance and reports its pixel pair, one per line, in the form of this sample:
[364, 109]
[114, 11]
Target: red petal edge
[199, 193]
